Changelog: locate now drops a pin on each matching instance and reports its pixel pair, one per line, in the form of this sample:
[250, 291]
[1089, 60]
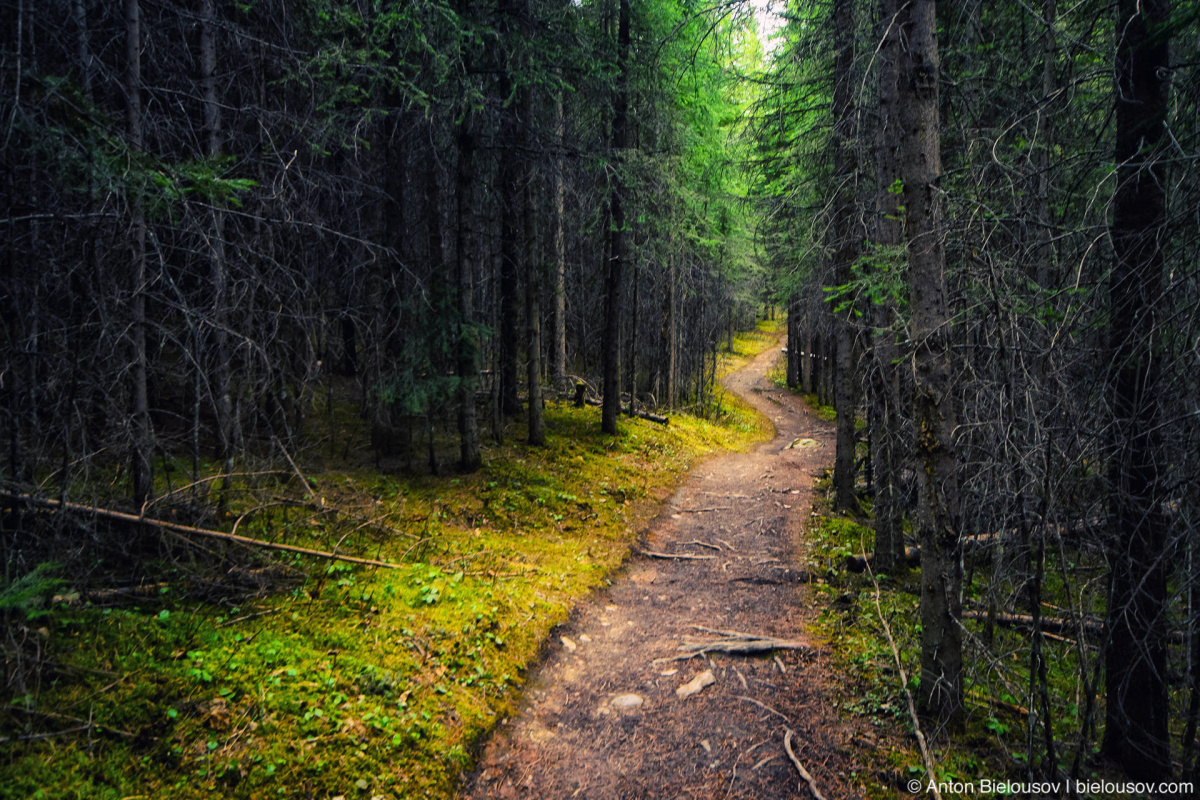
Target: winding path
[745, 512]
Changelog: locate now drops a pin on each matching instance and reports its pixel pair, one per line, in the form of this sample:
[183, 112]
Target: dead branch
[733, 643]
[812, 784]
[702, 544]
[659, 418]
[764, 707]
[248, 617]
[78, 596]
[668, 556]
[1003, 705]
[210, 479]
[912, 708]
[187, 529]
[303, 481]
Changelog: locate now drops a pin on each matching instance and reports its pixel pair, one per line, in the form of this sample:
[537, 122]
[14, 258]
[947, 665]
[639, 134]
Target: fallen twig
[187, 529]
[303, 481]
[668, 556]
[702, 544]
[1004, 705]
[164, 497]
[248, 617]
[912, 708]
[812, 784]
[764, 707]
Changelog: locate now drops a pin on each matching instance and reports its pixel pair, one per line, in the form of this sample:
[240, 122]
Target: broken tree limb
[733, 643]
[659, 418]
[176, 528]
[1056, 624]
[684, 556]
[812, 784]
[912, 707]
[1053, 624]
[303, 480]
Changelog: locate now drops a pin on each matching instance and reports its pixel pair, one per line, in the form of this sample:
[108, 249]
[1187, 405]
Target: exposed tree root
[733, 643]
[812, 784]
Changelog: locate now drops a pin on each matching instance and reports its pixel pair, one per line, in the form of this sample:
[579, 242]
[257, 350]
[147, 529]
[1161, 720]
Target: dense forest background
[234, 231]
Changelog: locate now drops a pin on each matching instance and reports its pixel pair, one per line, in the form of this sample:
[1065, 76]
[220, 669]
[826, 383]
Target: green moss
[355, 681]
[826, 413]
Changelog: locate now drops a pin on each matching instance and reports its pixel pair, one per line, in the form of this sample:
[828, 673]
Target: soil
[570, 739]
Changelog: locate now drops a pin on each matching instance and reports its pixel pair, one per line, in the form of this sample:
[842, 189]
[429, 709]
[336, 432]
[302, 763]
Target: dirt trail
[748, 510]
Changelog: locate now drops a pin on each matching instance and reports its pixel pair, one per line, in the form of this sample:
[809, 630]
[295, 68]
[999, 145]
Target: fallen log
[912, 556]
[1056, 624]
[175, 528]
[659, 418]
[1050, 624]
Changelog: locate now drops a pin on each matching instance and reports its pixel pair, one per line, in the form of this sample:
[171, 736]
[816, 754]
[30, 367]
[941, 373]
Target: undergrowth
[329, 679]
[998, 738]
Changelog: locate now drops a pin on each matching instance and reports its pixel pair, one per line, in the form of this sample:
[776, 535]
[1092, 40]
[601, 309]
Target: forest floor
[601, 718]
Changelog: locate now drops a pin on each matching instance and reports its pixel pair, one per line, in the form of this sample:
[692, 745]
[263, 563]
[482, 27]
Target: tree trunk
[633, 340]
[937, 519]
[508, 178]
[558, 351]
[846, 252]
[1136, 716]
[885, 389]
[223, 398]
[465, 254]
[613, 282]
[533, 298]
[795, 345]
[140, 462]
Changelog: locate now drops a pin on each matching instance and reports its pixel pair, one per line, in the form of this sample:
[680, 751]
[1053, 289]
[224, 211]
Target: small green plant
[30, 595]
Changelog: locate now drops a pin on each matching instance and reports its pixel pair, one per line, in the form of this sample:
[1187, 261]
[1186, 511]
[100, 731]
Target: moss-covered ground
[292, 678]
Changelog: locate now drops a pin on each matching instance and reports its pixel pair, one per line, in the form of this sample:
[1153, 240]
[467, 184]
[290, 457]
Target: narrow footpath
[602, 718]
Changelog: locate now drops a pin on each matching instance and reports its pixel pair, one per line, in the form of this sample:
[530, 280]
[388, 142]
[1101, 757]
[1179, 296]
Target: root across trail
[691, 676]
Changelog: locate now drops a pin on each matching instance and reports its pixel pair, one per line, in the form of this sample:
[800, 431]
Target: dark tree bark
[1136, 735]
[465, 254]
[614, 278]
[509, 180]
[795, 344]
[140, 461]
[941, 689]
[885, 389]
[509, 196]
[533, 299]
[558, 350]
[218, 277]
[845, 377]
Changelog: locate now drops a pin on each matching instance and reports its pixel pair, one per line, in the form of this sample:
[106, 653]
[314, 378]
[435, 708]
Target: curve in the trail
[602, 717]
